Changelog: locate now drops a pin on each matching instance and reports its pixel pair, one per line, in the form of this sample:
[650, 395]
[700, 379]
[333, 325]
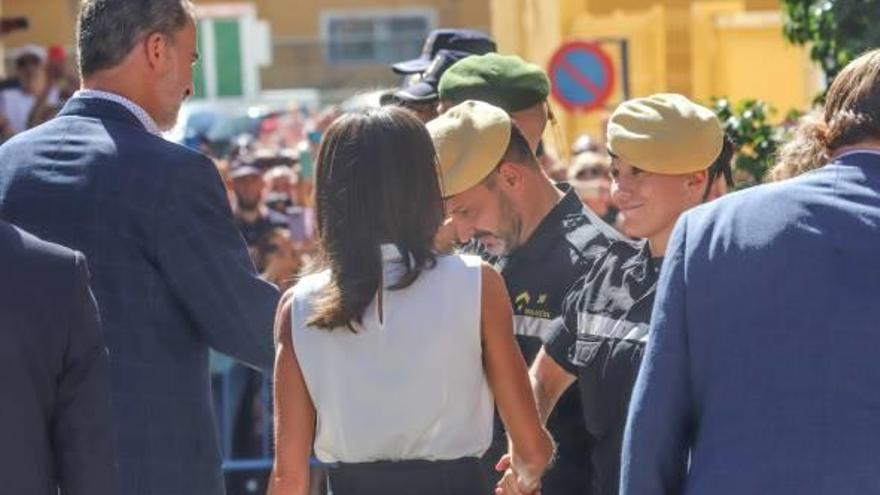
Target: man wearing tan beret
[667, 154]
[543, 238]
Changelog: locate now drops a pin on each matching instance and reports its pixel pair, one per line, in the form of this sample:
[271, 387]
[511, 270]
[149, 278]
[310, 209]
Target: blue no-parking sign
[581, 76]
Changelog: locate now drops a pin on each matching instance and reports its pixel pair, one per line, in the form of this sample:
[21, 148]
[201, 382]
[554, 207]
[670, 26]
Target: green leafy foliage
[837, 31]
[756, 138]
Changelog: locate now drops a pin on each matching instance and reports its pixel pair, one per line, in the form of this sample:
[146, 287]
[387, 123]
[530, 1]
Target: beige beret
[665, 134]
[470, 140]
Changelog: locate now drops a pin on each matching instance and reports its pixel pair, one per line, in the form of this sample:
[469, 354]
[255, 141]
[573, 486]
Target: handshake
[520, 477]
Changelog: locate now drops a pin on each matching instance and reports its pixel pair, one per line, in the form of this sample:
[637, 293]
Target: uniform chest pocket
[586, 349]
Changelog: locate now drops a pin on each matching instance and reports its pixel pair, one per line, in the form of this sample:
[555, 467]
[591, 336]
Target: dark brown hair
[376, 183]
[852, 106]
[518, 151]
[721, 168]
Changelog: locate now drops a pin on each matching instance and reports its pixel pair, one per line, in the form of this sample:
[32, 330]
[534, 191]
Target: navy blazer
[55, 426]
[170, 272]
[762, 365]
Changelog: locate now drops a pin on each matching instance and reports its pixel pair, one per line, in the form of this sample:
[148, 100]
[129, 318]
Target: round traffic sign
[581, 76]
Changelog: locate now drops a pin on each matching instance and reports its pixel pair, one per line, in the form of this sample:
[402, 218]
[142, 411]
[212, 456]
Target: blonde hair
[805, 150]
[851, 115]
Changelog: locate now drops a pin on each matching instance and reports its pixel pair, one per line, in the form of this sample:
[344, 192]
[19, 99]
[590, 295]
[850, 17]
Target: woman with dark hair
[389, 355]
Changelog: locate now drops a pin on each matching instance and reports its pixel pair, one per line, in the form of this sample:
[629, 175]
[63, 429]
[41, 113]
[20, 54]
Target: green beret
[505, 81]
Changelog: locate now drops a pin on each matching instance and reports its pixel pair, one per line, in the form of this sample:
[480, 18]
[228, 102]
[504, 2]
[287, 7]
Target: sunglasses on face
[25, 62]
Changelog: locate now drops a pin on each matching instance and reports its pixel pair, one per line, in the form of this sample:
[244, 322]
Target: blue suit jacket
[170, 272]
[55, 426]
[763, 360]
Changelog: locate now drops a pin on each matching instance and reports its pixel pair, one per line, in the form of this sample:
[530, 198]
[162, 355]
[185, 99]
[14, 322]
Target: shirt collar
[640, 264]
[389, 252]
[138, 111]
[554, 224]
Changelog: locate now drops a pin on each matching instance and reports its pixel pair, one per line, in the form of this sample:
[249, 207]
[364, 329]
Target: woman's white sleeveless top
[408, 386]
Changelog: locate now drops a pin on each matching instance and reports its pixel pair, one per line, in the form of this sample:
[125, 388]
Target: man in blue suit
[171, 273]
[761, 375]
[55, 427]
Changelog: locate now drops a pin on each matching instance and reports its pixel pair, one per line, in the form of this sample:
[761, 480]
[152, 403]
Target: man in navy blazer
[762, 375]
[171, 273]
[55, 426]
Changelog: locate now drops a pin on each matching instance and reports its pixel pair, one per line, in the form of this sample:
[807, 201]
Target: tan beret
[470, 140]
[665, 134]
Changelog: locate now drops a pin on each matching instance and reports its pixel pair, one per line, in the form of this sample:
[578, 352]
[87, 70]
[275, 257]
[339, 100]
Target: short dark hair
[518, 151]
[107, 30]
[721, 167]
[376, 183]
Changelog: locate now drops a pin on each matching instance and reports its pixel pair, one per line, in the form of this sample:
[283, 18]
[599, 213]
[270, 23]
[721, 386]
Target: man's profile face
[488, 215]
[175, 84]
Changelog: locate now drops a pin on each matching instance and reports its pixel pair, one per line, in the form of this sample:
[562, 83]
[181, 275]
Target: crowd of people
[456, 310]
[41, 83]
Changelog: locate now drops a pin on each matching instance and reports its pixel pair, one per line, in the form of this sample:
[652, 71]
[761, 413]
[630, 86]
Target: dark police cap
[425, 89]
[462, 40]
[505, 81]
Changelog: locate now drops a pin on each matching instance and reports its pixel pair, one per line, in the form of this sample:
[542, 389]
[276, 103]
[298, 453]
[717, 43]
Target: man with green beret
[542, 239]
[667, 154]
[506, 81]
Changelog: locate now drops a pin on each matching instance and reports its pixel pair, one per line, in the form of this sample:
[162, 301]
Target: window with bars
[375, 37]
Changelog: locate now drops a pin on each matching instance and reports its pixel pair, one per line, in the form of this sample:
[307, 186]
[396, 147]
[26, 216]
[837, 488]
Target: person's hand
[510, 483]
[503, 464]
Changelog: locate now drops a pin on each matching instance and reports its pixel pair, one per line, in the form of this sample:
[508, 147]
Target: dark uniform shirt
[601, 339]
[254, 231]
[538, 275]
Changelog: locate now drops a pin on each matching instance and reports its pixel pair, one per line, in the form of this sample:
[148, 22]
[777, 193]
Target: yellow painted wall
[295, 25]
[51, 22]
[299, 18]
[742, 55]
[700, 48]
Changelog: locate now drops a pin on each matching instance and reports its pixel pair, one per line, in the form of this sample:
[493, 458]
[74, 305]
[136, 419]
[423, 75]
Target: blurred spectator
[589, 175]
[583, 144]
[33, 100]
[252, 217]
[555, 169]
[61, 75]
[223, 170]
[596, 194]
[277, 258]
[280, 180]
[308, 147]
[589, 165]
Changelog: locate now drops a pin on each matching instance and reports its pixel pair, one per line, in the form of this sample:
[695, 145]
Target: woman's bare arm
[531, 446]
[294, 412]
